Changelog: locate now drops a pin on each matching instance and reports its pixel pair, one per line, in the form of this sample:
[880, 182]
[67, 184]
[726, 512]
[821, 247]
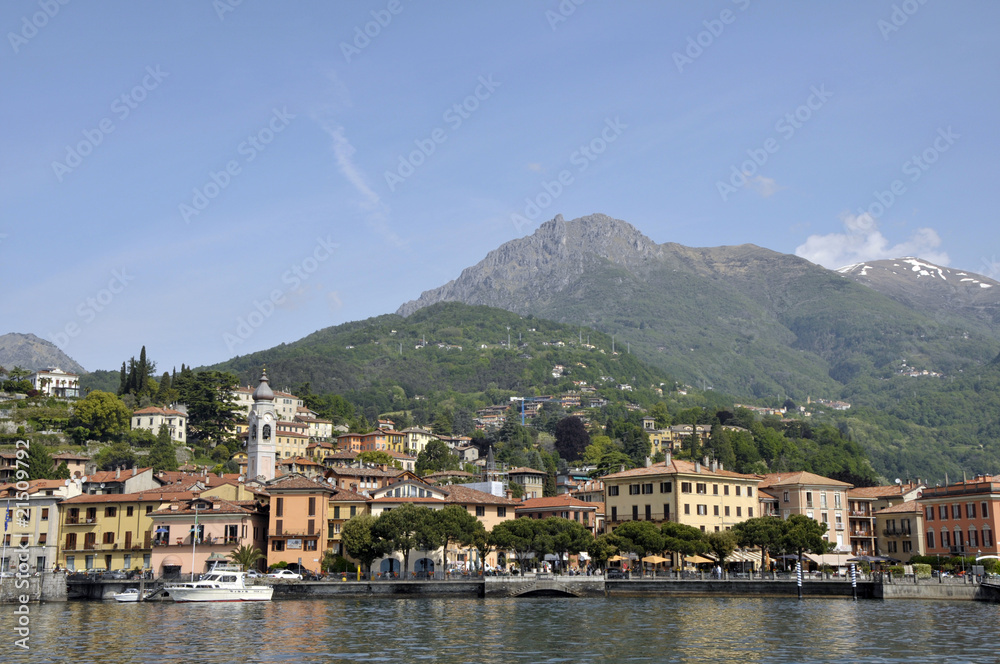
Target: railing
[897, 532]
[861, 533]
[860, 513]
[654, 516]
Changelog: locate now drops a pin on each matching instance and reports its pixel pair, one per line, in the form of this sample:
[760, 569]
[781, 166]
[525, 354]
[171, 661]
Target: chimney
[118, 473]
[135, 470]
[704, 460]
[697, 467]
[714, 466]
[648, 462]
[666, 458]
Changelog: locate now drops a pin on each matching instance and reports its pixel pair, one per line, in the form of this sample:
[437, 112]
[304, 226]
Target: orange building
[297, 521]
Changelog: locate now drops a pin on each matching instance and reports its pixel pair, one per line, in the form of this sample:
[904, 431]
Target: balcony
[860, 513]
[896, 531]
[861, 533]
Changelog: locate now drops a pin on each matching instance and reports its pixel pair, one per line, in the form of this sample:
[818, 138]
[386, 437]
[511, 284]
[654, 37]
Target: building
[36, 524]
[962, 518]
[362, 480]
[861, 523]
[302, 466]
[589, 515]
[291, 439]
[193, 531]
[297, 521]
[54, 382]
[532, 480]
[262, 422]
[110, 531]
[900, 531]
[152, 418]
[703, 495]
[416, 439]
[76, 463]
[487, 508]
[120, 481]
[814, 496]
[343, 506]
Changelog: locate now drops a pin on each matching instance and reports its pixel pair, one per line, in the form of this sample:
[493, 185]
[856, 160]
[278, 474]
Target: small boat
[224, 583]
[130, 595]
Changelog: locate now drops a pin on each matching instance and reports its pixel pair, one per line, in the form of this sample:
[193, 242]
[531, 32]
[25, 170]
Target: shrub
[922, 570]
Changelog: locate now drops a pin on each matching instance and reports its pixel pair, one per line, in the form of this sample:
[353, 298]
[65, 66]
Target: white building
[55, 382]
[152, 418]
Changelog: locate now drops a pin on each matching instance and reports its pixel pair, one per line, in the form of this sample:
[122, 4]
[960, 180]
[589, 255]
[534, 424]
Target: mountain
[30, 352]
[742, 319]
[938, 291]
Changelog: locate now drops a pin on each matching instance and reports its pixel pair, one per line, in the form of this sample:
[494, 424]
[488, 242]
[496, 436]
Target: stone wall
[47, 587]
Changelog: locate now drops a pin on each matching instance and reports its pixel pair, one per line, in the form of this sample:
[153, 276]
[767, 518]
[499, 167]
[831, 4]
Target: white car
[286, 574]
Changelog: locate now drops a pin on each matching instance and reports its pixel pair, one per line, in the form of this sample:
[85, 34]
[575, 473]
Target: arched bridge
[543, 585]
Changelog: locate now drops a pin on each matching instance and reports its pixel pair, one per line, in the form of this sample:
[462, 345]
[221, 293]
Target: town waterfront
[653, 629]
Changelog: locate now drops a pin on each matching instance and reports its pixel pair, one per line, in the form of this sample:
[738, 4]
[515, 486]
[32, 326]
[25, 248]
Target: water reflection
[654, 629]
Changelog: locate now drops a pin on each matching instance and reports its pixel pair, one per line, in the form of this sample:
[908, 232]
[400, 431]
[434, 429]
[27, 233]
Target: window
[836, 501]
[945, 539]
[42, 538]
[958, 540]
[612, 490]
[649, 512]
[749, 492]
[687, 508]
[666, 512]
[702, 510]
[738, 490]
[929, 512]
[309, 544]
[943, 513]
[809, 498]
[633, 489]
[91, 513]
[312, 505]
[956, 511]
[666, 487]
[987, 537]
[907, 546]
[701, 487]
[930, 539]
[739, 511]
[280, 507]
[715, 509]
[685, 487]
[822, 499]
[354, 511]
[725, 489]
[311, 527]
[970, 510]
[785, 497]
[614, 513]
[750, 512]
[480, 510]
[336, 511]
[890, 546]
[278, 526]
[973, 537]
[647, 488]
[840, 521]
[824, 517]
[109, 537]
[277, 545]
[45, 513]
[149, 509]
[715, 489]
[985, 510]
[501, 511]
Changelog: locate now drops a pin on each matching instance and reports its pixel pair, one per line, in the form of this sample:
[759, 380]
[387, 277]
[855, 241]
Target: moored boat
[224, 583]
[130, 595]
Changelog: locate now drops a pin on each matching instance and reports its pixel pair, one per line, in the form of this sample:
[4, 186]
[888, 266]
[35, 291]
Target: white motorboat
[224, 583]
[130, 595]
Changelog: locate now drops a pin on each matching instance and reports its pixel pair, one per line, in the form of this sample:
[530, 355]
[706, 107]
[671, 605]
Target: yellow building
[696, 494]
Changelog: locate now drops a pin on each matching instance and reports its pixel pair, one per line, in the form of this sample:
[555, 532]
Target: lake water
[653, 629]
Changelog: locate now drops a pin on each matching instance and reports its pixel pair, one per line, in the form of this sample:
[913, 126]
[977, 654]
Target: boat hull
[250, 594]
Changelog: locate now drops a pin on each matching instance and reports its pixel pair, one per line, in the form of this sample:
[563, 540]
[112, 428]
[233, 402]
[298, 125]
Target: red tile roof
[554, 502]
[801, 477]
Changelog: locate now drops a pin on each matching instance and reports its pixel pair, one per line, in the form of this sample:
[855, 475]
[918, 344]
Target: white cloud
[377, 211]
[766, 187]
[863, 241]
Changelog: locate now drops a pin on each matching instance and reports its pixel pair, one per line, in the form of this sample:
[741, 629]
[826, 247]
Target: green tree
[40, 465]
[572, 438]
[660, 413]
[436, 457]
[762, 532]
[103, 415]
[602, 547]
[400, 528]
[246, 556]
[377, 457]
[683, 539]
[443, 423]
[361, 541]
[612, 462]
[163, 454]
[640, 537]
[803, 535]
[721, 544]
[62, 472]
[455, 525]
[517, 535]
[568, 536]
[599, 445]
[115, 455]
[481, 543]
[211, 405]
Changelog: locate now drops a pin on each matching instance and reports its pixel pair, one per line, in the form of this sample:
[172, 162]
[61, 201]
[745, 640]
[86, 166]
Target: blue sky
[209, 179]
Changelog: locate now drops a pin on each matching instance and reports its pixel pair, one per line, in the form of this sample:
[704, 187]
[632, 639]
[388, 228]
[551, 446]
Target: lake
[646, 629]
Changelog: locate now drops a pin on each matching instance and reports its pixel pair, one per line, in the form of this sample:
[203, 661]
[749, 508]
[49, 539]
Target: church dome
[263, 391]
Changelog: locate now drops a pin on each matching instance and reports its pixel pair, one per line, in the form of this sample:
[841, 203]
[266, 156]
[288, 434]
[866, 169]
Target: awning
[614, 559]
[744, 557]
[697, 560]
[655, 560]
[830, 559]
[218, 556]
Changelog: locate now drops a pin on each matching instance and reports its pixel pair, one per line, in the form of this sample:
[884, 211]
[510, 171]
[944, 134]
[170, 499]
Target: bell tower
[261, 433]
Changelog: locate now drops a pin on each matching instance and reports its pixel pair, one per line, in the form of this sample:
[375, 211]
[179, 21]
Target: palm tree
[246, 556]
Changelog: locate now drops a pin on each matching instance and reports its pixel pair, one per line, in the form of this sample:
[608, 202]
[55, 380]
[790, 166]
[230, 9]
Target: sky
[212, 178]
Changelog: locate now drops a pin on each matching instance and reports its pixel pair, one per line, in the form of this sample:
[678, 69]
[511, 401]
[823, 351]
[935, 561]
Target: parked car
[254, 574]
[286, 574]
